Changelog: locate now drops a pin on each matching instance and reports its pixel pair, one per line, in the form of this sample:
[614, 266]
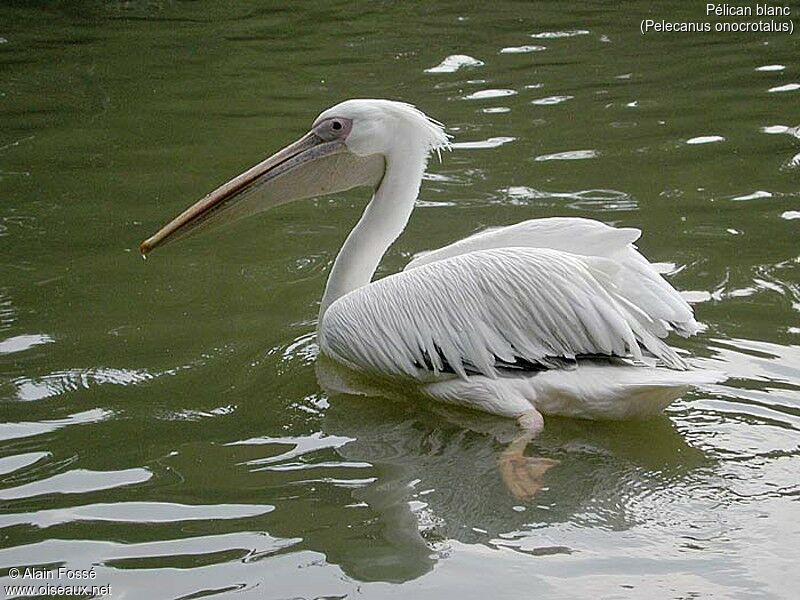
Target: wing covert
[637, 280]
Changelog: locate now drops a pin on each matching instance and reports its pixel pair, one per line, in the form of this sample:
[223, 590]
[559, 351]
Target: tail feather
[661, 378]
[614, 392]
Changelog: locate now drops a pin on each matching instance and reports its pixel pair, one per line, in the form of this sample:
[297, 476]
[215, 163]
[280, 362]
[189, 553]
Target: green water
[162, 423]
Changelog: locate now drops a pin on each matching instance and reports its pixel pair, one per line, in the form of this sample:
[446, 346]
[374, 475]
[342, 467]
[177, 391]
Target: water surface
[162, 421]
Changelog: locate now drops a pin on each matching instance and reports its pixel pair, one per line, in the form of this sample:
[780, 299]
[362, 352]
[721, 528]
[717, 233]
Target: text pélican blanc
[728, 10]
[760, 10]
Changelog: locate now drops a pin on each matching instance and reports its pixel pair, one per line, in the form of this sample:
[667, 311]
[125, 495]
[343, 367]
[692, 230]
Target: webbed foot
[523, 475]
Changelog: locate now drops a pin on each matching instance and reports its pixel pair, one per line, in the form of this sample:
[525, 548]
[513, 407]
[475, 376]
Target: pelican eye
[333, 128]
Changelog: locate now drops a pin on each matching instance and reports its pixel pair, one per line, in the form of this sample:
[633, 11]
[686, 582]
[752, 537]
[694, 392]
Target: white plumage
[473, 310]
[634, 276]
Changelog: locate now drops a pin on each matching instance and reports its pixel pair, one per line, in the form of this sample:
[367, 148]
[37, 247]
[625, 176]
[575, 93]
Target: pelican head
[348, 146]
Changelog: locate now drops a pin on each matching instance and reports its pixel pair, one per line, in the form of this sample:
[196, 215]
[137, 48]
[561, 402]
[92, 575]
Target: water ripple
[251, 546]
[792, 163]
[303, 348]
[522, 49]
[303, 466]
[757, 360]
[17, 462]
[197, 415]
[789, 87]
[549, 35]
[493, 142]
[486, 94]
[757, 195]
[549, 100]
[78, 481]
[301, 445]
[775, 129]
[7, 312]
[569, 155]
[453, 63]
[60, 382]
[193, 566]
[10, 431]
[136, 512]
[705, 139]
[605, 200]
[20, 343]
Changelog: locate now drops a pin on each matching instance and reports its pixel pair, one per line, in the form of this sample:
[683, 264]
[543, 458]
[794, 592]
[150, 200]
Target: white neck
[383, 221]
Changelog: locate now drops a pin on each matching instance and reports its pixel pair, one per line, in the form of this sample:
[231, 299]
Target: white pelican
[558, 316]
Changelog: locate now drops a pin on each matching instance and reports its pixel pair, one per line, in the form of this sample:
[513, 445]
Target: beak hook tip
[144, 249]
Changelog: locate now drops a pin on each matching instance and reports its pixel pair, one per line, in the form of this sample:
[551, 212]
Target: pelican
[552, 316]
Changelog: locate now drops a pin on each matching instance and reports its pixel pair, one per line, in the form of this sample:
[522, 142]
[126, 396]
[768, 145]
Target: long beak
[266, 175]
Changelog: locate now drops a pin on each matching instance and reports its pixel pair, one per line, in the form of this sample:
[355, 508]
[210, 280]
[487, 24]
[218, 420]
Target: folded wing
[474, 311]
[636, 279]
